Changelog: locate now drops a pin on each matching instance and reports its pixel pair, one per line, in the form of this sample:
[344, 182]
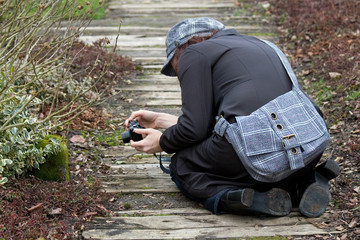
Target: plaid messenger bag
[279, 138]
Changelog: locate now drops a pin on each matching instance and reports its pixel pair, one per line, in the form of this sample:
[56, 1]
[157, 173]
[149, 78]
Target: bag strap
[161, 160]
[221, 125]
[285, 62]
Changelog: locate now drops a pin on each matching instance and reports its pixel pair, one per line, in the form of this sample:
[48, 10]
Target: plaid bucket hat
[181, 32]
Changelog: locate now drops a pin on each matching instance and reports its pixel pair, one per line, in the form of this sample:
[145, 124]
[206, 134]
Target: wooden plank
[195, 221]
[119, 151]
[142, 51]
[203, 233]
[160, 212]
[136, 159]
[149, 60]
[156, 76]
[147, 41]
[145, 168]
[163, 225]
[165, 102]
[161, 95]
[154, 88]
[127, 40]
[135, 7]
[173, 1]
[152, 67]
[138, 178]
[141, 185]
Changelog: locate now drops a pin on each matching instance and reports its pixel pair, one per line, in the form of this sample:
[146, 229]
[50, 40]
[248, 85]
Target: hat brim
[167, 69]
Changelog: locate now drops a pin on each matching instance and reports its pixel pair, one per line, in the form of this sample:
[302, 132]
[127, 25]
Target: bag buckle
[218, 118]
[288, 137]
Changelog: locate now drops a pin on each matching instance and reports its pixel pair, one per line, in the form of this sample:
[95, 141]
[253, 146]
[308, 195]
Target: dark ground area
[322, 41]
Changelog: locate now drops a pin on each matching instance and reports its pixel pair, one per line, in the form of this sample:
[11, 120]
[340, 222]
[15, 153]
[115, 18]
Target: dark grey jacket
[229, 74]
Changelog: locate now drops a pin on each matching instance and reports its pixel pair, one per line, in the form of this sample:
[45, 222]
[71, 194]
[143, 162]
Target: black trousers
[212, 166]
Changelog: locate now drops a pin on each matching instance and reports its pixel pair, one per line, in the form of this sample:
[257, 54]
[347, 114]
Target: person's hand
[146, 119]
[150, 142]
[155, 120]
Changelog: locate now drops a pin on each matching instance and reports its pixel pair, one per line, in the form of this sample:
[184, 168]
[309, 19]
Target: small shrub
[19, 136]
[56, 167]
[45, 82]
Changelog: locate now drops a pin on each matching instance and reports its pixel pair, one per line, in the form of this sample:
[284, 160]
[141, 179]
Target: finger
[127, 122]
[137, 145]
[145, 131]
[136, 114]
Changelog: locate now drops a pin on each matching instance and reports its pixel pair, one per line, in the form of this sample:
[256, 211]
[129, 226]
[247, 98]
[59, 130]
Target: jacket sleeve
[197, 119]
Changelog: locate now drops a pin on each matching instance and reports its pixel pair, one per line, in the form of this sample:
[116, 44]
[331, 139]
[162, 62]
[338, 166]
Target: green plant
[127, 205]
[95, 6]
[353, 95]
[320, 90]
[113, 139]
[18, 151]
[56, 167]
[76, 8]
[40, 89]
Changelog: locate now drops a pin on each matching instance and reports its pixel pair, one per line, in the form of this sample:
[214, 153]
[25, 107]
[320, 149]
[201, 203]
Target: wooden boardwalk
[143, 31]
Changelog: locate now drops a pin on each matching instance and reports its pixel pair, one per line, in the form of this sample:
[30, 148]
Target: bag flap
[288, 115]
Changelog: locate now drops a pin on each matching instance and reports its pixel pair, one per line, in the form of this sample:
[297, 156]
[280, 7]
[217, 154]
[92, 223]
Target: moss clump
[56, 167]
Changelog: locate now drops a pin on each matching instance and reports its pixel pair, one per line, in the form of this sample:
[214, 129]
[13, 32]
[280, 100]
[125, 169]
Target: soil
[322, 40]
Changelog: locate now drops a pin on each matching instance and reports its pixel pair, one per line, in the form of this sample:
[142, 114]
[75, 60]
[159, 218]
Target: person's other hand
[150, 142]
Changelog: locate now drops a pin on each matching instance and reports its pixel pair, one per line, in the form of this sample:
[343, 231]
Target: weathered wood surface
[196, 224]
[142, 37]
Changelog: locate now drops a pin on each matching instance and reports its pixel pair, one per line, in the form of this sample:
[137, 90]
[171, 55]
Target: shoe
[317, 195]
[275, 202]
[329, 169]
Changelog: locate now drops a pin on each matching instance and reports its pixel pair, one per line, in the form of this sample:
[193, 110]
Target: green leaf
[14, 131]
[6, 161]
[3, 180]
[26, 134]
[19, 171]
[12, 139]
[32, 120]
[19, 140]
[7, 112]
[36, 165]
[54, 141]
[6, 148]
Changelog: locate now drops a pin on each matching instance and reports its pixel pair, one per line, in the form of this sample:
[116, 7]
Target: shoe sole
[275, 202]
[316, 198]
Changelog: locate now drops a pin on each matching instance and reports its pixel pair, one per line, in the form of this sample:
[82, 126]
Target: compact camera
[128, 135]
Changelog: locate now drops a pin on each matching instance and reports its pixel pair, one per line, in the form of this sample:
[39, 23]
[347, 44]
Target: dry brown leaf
[56, 211]
[77, 139]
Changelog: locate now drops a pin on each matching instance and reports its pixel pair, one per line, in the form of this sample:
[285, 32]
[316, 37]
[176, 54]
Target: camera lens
[126, 136]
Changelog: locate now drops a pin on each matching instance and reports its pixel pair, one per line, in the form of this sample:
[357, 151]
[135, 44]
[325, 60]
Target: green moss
[56, 167]
[127, 205]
